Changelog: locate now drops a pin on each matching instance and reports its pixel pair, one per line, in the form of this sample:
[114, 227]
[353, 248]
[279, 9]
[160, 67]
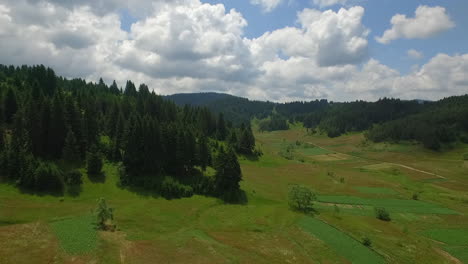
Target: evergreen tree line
[442, 123]
[275, 122]
[47, 121]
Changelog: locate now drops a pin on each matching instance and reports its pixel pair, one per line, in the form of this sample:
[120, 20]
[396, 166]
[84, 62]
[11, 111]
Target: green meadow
[151, 229]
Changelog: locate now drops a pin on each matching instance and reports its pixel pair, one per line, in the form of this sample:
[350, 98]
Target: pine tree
[10, 106]
[204, 156]
[130, 89]
[246, 141]
[233, 141]
[114, 89]
[57, 128]
[228, 174]
[221, 127]
[71, 152]
[91, 125]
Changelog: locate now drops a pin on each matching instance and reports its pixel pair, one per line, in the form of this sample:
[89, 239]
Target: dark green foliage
[94, 163]
[382, 214]
[275, 122]
[104, 215]
[442, 122]
[2, 140]
[301, 198]
[171, 188]
[47, 178]
[246, 140]
[221, 127]
[204, 155]
[51, 118]
[73, 177]
[71, 151]
[57, 130]
[228, 174]
[10, 106]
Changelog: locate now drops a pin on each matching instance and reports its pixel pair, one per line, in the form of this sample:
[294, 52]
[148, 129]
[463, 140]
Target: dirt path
[391, 163]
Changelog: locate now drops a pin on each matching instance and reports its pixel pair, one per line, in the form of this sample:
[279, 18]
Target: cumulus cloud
[325, 3]
[414, 54]
[188, 46]
[267, 5]
[330, 38]
[427, 22]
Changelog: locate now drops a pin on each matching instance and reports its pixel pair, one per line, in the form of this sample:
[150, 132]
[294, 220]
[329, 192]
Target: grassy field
[343, 244]
[455, 241]
[346, 171]
[76, 235]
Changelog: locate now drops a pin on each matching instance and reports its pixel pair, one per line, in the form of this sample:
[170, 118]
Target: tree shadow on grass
[55, 193]
[251, 157]
[74, 190]
[97, 178]
[238, 197]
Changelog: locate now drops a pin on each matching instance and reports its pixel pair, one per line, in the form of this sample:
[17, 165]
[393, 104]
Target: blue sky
[295, 50]
[378, 14]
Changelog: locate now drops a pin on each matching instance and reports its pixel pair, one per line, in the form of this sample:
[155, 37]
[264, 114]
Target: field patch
[393, 205]
[379, 166]
[331, 157]
[455, 241]
[376, 190]
[76, 235]
[313, 151]
[27, 243]
[343, 244]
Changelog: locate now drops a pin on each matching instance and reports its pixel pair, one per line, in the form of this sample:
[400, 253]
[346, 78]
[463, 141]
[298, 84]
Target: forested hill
[50, 127]
[236, 109]
[431, 123]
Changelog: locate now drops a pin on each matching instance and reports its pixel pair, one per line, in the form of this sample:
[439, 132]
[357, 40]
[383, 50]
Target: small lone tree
[104, 215]
[366, 242]
[301, 198]
[382, 214]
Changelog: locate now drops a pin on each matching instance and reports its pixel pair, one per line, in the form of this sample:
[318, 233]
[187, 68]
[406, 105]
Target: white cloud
[188, 46]
[414, 54]
[428, 21]
[267, 5]
[325, 3]
[330, 38]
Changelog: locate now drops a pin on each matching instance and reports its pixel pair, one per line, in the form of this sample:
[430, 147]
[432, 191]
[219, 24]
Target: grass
[343, 244]
[455, 240]
[313, 151]
[453, 237]
[205, 230]
[376, 190]
[393, 205]
[76, 235]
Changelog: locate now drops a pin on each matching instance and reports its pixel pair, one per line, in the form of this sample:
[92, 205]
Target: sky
[277, 50]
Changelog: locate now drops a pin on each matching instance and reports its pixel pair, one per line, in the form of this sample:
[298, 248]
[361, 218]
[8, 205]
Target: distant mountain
[235, 109]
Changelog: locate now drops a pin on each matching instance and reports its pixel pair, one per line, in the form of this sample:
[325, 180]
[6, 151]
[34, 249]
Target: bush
[382, 214]
[301, 198]
[47, 177]
[415, 196]
[366, 242]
